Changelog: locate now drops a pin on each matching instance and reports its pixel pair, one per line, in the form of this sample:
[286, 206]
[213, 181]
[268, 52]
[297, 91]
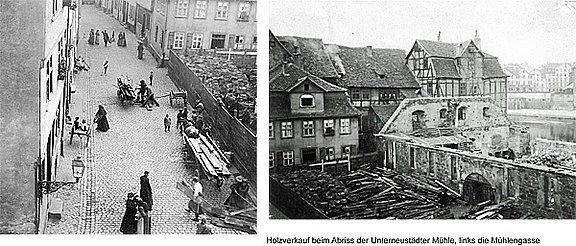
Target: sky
[533, 32]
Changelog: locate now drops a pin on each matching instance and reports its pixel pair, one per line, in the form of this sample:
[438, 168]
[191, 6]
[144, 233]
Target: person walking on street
[101, 119]
[179, 121]
[146, 190]
[151, 76]
[105, 66]
[106, 38]
[129, 223]
[167, 123]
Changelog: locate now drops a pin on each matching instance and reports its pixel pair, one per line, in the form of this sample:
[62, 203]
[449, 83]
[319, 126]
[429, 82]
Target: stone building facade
[35, 98]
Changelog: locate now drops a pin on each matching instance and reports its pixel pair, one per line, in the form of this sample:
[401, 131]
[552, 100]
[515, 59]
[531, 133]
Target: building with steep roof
[457, 69]
[311, 120]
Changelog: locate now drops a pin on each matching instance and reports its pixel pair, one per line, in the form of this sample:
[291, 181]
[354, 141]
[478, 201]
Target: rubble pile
[368, 193]
[233, 88]
[507, 209]
[552, 159]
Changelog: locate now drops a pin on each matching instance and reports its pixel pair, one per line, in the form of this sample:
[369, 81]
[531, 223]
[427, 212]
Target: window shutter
[170, 40]
[189, 40]
[322, 153]
[278, 160]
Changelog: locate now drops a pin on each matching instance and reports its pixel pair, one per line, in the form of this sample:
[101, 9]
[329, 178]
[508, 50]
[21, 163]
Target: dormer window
[306, 101]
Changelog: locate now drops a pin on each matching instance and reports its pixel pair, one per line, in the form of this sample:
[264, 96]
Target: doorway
[309, 156]
[477, 189]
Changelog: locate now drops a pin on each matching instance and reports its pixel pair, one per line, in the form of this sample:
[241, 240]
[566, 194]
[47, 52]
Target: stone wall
[227, 130]
[541, 145]
[548, 191]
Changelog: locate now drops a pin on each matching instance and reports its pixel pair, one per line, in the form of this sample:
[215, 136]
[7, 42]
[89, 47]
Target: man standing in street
[198, 189]
[145, 189]
[167, 123]
[151, 76]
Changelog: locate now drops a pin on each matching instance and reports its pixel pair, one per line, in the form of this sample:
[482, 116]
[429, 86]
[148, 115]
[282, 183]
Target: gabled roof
[492, 69]
[438, 49]
[445, 68]
[313, 57]
[292, 76]
[384, 68]
[277, 41]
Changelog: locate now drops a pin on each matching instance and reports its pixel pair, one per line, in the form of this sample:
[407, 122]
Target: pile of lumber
[368, 193]
[507, 209]
[208, 155]
[233, 87]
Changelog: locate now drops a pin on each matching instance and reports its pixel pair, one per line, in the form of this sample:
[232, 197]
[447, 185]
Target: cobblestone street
[136, 142]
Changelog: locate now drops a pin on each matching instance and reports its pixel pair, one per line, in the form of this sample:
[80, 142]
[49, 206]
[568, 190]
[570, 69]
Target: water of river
[552, 129]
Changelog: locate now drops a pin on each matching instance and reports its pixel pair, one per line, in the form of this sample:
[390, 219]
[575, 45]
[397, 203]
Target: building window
[308, 128]
[270, 129]
[355, 94]
[287, 131]
[365, 94]
[243, 11]
[345, 126]
[462, 113]
[197, 41]
[346, 151]
[200, 11]
[330, 154]
[222, 10]
[182, 8]
[271, 160]
[218, 41]
[178, 41]
[288, 158]
[486, 112]
[443, 113]
[239, 42]
[431, 163]
[329, 128]
[412, 158]
[307, 101]
[254, 42]
[156, 35]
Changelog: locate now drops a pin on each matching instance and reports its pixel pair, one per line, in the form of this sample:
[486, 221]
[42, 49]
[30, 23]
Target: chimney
[439, 39]
[477, 40]
[369, 51]
[297, 55]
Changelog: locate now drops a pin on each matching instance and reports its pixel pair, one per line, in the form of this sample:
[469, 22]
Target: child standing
[167, 123]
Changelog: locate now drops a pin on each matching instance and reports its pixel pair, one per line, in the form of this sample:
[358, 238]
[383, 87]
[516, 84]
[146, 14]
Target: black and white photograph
[128, 117]
[421, 110]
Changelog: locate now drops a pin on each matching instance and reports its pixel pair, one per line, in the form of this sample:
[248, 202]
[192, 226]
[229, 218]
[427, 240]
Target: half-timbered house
[457, 69]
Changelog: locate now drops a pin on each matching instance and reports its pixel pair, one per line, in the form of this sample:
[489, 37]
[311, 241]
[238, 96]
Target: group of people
[94, 38]
[136, 219]
[195, 124]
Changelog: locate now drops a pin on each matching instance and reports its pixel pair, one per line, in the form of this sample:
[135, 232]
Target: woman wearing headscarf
[129, 223]
[97, 41]
[91, 37]
[239, 193]
[101, 119]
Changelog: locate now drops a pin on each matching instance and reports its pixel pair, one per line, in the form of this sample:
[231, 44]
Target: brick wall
[232, 135]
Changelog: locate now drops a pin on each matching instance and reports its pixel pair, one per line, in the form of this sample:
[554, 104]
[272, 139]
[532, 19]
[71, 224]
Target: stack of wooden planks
[508, 209]
[208, 155]
[369, 193]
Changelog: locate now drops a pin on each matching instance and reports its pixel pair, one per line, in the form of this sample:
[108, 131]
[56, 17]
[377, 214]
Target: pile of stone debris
[551, 159]
[234, 88]
[507, 209]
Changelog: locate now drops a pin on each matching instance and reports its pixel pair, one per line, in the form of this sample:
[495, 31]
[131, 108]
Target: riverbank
[542, 113]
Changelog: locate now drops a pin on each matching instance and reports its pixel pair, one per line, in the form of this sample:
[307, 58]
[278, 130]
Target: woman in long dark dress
[101, 119]
[129, 223]
[91, 37]
[97, 41]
